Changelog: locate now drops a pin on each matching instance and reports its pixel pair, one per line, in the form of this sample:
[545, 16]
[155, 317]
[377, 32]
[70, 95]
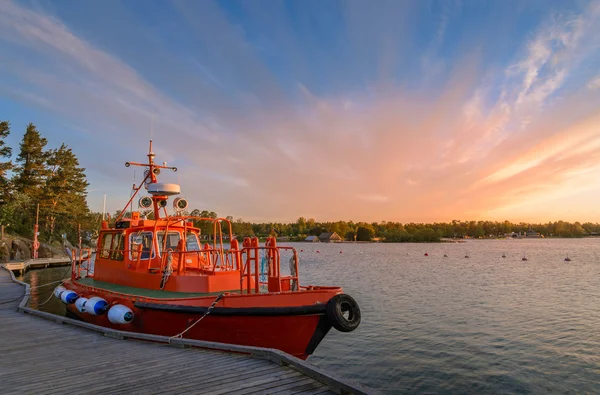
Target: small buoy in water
[301, 250]
[503, 255]
[318, 251]
[523, 259]
[567, 259]
[466, 256]
[340, 252]
[445, 255]
[426, 254]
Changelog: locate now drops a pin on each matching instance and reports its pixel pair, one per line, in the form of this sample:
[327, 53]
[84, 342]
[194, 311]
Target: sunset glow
[403, 111]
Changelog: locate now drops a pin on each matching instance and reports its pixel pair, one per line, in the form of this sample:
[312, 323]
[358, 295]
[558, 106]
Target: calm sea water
[435, 324]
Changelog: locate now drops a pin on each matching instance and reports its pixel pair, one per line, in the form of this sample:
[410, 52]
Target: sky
[409, 111]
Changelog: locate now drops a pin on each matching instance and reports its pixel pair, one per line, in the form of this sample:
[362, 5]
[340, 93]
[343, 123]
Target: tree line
[387, 231]
[46, 179]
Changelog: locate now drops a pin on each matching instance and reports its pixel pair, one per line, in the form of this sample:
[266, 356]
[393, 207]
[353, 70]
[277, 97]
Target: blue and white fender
[96, 306]
[80, 304]
[120, 314]
[59, 290]
[69, 297]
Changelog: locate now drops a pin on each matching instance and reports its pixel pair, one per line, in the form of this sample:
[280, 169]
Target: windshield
[171, 242]
[145, 240]
[191, 242]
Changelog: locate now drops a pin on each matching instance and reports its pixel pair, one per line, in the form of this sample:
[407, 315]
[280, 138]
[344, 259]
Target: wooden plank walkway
[38, 355]
[39, 263]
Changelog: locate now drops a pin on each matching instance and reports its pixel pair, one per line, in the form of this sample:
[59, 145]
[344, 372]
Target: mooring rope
[210, 308]
[168, 270]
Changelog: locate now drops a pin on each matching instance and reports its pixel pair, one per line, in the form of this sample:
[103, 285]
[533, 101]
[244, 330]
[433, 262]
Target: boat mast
[104, 207]
[149, 178]
[153, 178]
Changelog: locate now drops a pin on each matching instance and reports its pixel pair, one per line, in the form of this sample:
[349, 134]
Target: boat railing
[255, 276]
[216, 255]
[207, 259]
[81, 259]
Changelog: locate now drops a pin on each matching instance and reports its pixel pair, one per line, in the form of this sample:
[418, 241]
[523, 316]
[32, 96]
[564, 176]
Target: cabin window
[191, 242]
[172, 241]
[106, 242]
[118, 245]
[145, 240]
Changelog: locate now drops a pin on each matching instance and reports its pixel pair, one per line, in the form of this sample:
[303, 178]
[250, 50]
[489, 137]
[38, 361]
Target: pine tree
[5, 152]
[64, 193]
[31, 170]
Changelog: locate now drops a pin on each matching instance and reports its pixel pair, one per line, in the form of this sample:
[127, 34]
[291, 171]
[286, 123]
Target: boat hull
[296, 329]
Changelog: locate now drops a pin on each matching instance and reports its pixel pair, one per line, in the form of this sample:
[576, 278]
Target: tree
[31, 171]
[5, 152]
[205, 226]
[364, 233]
[65, 191]
[301, 224]
[18, 214]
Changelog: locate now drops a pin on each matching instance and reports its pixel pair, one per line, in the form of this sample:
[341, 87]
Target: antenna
[132, 194]
[152, 128]
[104, 207]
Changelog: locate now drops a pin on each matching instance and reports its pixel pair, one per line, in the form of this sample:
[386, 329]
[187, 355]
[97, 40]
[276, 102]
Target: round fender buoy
[96, 306]
[343, 313]
[120, 314]
[58, 290]
[69, 297]
[80, 304]
[426, 254]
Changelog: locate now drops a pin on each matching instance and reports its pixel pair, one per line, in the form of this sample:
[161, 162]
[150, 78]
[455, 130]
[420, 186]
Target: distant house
[312, 239]
[532, 233]
[329, 237]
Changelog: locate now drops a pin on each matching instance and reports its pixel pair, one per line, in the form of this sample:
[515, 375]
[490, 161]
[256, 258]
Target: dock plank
[42, 356]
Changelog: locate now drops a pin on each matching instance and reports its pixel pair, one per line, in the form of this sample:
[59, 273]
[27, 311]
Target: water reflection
[41, 295]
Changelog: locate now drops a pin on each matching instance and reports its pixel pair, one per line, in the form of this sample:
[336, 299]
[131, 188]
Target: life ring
[343, 313]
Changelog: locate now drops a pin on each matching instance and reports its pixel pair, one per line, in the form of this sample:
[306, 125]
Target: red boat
[153, 275]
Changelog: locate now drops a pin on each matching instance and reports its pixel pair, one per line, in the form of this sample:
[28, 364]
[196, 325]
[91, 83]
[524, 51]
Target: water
[485, 324]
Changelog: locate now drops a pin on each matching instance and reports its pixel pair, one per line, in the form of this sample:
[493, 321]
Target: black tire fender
[343, 313]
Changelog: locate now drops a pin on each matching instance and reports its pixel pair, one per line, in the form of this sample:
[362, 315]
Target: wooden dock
[39, 263]
[39, 355]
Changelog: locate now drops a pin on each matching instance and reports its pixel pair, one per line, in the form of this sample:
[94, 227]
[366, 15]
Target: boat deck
[41, 356]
